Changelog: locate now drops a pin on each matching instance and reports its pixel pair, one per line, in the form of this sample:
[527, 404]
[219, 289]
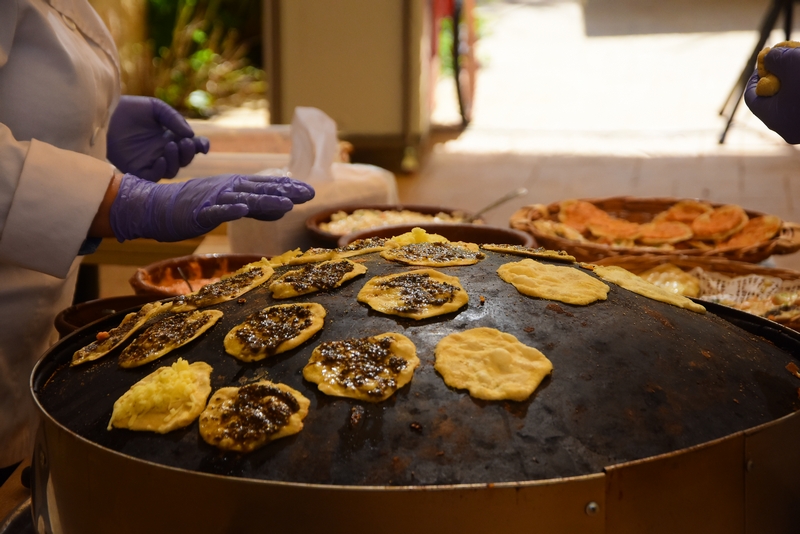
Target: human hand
[781, 112]
[148, 138]
[183, 210]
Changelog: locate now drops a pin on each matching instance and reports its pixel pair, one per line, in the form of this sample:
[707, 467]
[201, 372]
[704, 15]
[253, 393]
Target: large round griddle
[632, 378]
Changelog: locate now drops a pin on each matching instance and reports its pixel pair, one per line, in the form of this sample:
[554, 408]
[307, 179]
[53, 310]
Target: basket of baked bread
[591, 229]
[767, 292]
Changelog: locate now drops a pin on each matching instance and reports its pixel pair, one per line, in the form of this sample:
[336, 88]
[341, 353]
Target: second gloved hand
[148, 138]
[183, 210]
[780, 112]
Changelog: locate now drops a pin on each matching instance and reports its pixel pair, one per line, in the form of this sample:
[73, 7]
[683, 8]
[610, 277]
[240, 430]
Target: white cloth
[59, 80]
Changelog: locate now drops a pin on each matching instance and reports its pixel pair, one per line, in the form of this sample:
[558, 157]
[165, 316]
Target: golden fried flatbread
[664, 232]
[363, 246]
[108, 341]
[490, 364]
[415, 294]
[369, 369]
[230, 287]
[243, 419]
[720, 223]
[631, 282]
[674, 279]
[578, 214]
[273, 330]
[162, 337]
[557, 229]
[169, 398]
[317, 277]
[541, 252]
[684, 211]
[436, 254]
[757, 230]
[614, 230]
[553, 282]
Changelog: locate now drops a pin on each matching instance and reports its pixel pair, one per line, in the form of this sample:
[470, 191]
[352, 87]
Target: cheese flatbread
[541, 252]
[171, 397]
[369, 369]
[108, 341]
[273, 330]
[319, 277]
[553, 282]
[490, 364]
[230, 287]
[243, 419]
[631, 282]
[435, 254]
[415, 294]
[166, 335]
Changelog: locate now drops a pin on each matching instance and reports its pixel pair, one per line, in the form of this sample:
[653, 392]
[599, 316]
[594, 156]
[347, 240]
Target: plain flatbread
[490, 364]
[108, 341]
[166, 335]
[417, 294]
[242, 419]
[318, 277]
[273, 330]
[631, 282]
[169, 398]
[553, 282]
[230, 287]
[369, 369]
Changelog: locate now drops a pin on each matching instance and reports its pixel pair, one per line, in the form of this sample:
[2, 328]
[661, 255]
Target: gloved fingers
[212, 216]
[750, 90]
[155, 172]
[255, 202]
[201, 144]
[171, 157]
[782, 62]
[298, 192]
[170, 119]
[186, 151]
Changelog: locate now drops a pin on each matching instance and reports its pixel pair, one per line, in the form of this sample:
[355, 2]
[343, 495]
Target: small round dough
[631, 282]
[553, 282]
[490, 364]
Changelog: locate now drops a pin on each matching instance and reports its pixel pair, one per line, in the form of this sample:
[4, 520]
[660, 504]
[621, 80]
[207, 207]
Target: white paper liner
[753, 290]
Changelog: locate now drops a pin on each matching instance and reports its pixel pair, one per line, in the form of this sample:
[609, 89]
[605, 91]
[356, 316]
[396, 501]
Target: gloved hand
[183, 210]
[149, 139]
[781, 112]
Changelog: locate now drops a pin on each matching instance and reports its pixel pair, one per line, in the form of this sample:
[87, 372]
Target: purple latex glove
[149, 139]
[780, 112]
[183, 210]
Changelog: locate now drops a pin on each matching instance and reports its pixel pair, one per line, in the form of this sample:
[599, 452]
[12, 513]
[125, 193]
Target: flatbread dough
[166, 335]
[541, 252]
[228, 288]
[363, 246]
[243, 419]
[631, 282]
[553, 282]
[108, 341]
[319, 277]
[490, 364]
[169, 398]
[435, 254]
[273, 330]
[369, 369]
[417, 294]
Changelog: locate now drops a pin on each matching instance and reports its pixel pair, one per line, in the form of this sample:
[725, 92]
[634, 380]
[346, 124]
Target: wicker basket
[641, 263]
[642, 210]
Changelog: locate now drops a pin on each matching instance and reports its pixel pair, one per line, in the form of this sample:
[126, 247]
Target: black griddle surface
[632, 378]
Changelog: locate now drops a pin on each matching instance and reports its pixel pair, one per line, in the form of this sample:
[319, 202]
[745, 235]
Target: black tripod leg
[738, 90]
[787, 19]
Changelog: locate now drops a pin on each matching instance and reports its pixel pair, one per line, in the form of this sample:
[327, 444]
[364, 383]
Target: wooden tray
[642, 210]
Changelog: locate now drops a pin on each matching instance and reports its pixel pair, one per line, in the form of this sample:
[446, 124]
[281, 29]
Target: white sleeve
[48, 199]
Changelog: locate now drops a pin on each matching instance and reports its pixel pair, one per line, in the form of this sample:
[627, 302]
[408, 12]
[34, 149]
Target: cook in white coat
[58, 85]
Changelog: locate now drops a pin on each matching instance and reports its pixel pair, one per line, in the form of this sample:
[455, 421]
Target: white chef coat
[59, 79]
